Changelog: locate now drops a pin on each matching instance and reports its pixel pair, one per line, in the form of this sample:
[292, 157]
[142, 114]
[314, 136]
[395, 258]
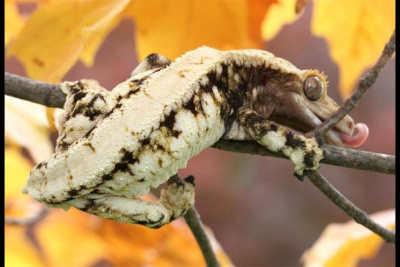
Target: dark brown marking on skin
[42, 164]
[190, 105]
[86, 110]
[160, 147]
[107, 177]
[150, 223]
[93, 100]
[176, 133]
[128, 156]
[273, 127]
[160, 162]
[145, 141]
[92, 113]
[169, 120]
[89, 205]
[117, 106]
[89, 132]
[122, 167]
[78, 86]
[152, 173]
[293, 141]
[90, 146]
[132, 92]
[141, 180]
[79, 95]
[72, 193]
[309, 159]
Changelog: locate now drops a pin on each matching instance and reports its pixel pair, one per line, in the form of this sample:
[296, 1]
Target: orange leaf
[356, 32]
[174, 27]
[56, 33]
[346, 244]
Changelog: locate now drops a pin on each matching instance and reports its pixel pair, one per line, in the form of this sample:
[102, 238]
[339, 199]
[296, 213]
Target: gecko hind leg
[174, 202]
[304, 152]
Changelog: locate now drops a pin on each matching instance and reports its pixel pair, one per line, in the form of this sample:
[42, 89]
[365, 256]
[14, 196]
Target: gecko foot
[178, 198]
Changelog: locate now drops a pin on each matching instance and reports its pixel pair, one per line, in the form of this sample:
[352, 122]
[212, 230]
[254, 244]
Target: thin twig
[28, 220]
[347, 206]
[363, 85]
[35, 91]
[193, 220]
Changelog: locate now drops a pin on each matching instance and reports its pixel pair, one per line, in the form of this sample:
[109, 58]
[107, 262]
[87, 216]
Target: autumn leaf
[281, 13]
[57, 33]
[18, 249]
[13, 21]
[346, 244]
[356, 32]
[174, 27]
[24, 118]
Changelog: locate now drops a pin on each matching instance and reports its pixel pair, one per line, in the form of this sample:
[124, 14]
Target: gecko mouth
[360, 131]
[347, 133]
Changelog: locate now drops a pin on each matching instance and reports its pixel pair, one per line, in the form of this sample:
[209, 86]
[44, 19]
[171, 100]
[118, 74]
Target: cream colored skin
[114, 146]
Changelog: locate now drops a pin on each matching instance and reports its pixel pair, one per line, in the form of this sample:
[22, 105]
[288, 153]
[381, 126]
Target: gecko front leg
[304, 152]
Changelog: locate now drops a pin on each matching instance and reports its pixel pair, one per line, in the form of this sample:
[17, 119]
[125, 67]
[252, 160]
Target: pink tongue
[358, 139]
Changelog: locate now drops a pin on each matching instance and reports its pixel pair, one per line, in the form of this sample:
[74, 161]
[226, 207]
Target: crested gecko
[114, 146]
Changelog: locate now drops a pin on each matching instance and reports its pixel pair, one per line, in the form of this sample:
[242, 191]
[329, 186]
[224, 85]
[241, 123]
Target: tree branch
[51, 95]
[363, 85]
[47, 94]
[338, 156]
[192, 218]
[347, 206]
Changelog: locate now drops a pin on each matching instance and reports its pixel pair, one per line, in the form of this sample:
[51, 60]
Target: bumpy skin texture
[114, 146]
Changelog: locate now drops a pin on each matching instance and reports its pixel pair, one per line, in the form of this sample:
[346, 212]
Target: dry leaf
[346, 244]
[356, 32]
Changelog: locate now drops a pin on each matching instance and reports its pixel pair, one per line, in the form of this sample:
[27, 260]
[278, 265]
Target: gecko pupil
[313, 88]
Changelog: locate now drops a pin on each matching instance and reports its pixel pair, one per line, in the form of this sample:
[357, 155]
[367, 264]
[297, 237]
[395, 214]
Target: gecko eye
[313, 88]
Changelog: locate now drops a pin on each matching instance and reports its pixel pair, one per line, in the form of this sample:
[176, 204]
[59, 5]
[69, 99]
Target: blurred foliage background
[260, 214]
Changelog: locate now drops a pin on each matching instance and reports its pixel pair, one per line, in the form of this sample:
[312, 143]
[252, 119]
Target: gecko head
[305, 105]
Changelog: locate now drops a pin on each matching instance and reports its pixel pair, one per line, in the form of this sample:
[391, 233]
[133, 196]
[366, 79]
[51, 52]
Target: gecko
[114, 146]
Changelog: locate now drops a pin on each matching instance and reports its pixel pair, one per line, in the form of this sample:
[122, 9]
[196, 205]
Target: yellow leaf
[97, 36]
[56, 33]
[281, 13]
[24, 118]
[174, 27]
[346, 244]
[356, 32]
[17, 169]
[65, 240]
[18, 249]
[13, 21]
